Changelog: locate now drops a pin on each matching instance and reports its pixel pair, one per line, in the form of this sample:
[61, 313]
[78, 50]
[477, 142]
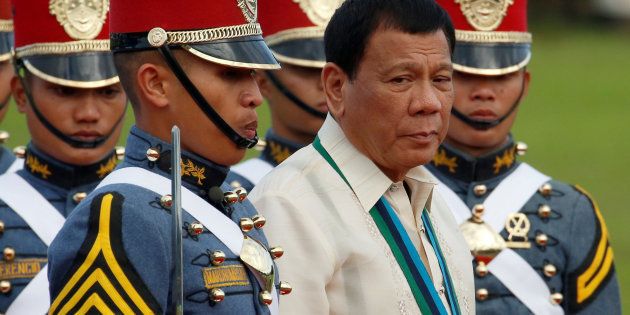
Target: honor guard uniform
[115, 253]
[8, 163]
[294, 31]
[539, 245]
[65, 85]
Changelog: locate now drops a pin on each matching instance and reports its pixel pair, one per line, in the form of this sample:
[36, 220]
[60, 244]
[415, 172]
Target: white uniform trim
[253, 169]
[510, 197]
[46, 222]
[226, 230]
[17, 165]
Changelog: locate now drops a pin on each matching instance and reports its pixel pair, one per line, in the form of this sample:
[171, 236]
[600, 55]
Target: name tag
[21, 268]
[225, 276]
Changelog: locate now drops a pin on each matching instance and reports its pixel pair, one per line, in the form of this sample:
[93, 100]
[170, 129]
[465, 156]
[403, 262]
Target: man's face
[485, 98]
[233, 94]
[83, 114]
[287, 118]
[396, 110]
[6, 73]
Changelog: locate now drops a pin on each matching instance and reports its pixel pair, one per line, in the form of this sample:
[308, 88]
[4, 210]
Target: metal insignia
[485, 15]
[319, 11]
[254, 255]
[81, 19]
[250, 9]
[517, 225]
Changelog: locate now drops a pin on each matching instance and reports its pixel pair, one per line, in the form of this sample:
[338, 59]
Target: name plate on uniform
[225, 276]
[21, 268]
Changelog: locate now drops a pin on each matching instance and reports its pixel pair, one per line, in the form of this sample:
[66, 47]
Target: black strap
[240, 141]
[488, 124]
[296, 100]
[19, 68]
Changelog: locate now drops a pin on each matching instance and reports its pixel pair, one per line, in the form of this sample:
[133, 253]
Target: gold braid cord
[296, 33]
[63, 48]
[6, 26]
[206, 35]
[493, 37]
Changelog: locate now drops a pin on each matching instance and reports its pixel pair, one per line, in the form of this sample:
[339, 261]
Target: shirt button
[393, 188]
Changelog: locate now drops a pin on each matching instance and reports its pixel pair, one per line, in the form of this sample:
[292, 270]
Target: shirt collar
[277, 149]
[367, 180]
[45, 167]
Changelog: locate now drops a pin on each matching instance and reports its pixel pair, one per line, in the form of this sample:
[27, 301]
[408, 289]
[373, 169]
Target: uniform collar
[63, 175]
[278, 149]
[197, 172]
[459, 165]
[367, 180]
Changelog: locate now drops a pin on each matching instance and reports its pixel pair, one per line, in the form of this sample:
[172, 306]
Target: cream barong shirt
[335, 257]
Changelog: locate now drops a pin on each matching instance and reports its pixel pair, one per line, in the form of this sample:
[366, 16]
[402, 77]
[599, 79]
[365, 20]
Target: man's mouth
[86, 135]
[249, 130]
[483, 114]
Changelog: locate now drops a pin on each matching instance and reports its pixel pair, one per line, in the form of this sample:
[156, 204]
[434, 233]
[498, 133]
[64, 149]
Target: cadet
[7, 160]
[541, 246]
[185, 63]
[295, 34]
[67, 87]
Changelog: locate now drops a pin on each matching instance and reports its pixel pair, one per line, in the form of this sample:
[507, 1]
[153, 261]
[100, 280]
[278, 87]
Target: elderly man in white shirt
[363, 231]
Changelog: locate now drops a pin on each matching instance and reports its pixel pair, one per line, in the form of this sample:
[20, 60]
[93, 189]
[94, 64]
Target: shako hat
[6, 30]
[492, 37]
[221, 31]
[294, 29]
[64, 41]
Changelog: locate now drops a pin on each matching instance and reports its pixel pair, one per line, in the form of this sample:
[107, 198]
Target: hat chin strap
[488, 124]
[201, 102]
[79, 144]
[296, 100]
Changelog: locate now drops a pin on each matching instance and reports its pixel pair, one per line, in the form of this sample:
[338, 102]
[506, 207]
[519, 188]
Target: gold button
[4, 136]
[20, 151]
[265, 297]
[217, 257]
[235, 184]
[78, 197]
[480, 190]
[276, 252]
[478, 210]
[246, 224]
[259, 221]
[217, 295]
[195, 228]
[521, 148]
[544, 211]
[481, 270]
[550, 270]
[241, 193]
[481, 294]
[545, 190]
[556, 298]
[285, 288]
[260, 146]
[166, 201]
[230, 197]
[8, 253]
[542, 239]
[5, 287]
[153, 154]
[1, 227]
[120, 153]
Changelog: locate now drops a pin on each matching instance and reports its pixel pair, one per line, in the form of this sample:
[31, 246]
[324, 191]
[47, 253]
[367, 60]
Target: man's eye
[64, 91]
[400, 80]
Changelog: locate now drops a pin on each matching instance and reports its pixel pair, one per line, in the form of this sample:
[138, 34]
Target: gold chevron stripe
[102, 245]
[95, 301]
[588, 282]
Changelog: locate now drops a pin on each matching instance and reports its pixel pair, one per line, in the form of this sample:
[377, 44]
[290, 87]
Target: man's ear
[152, 84]
[334, 80]
[18, 93]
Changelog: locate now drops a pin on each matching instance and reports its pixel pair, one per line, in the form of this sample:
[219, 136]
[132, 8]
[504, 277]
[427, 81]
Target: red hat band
[294, 29]
[492, 36]
[65, 41]
[221, 31]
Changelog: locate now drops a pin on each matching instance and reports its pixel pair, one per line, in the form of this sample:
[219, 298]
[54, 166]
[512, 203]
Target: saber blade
[177, 284]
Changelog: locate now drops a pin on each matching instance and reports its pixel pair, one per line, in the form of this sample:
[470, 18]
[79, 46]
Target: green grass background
[575, 120]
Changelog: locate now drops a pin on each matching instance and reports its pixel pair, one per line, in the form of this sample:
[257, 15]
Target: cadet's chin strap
[296, 100]
[79, 144]
[488, 124]
[239, 140]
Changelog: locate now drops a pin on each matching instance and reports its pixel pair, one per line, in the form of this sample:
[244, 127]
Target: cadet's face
[233, 94]
[6, 73]
[289, 120]
[83, 114]
[396, 110]
[485, 98]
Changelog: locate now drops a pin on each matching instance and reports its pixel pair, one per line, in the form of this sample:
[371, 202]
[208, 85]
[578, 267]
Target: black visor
[243, 52]
[82, 70]
[305, 52]
[6, 43]
[491, 59]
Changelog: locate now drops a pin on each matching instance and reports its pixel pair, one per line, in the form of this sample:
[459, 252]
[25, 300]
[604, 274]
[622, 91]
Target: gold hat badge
[250, 9]
[319, 11]
[485, 15]
[81, 19]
